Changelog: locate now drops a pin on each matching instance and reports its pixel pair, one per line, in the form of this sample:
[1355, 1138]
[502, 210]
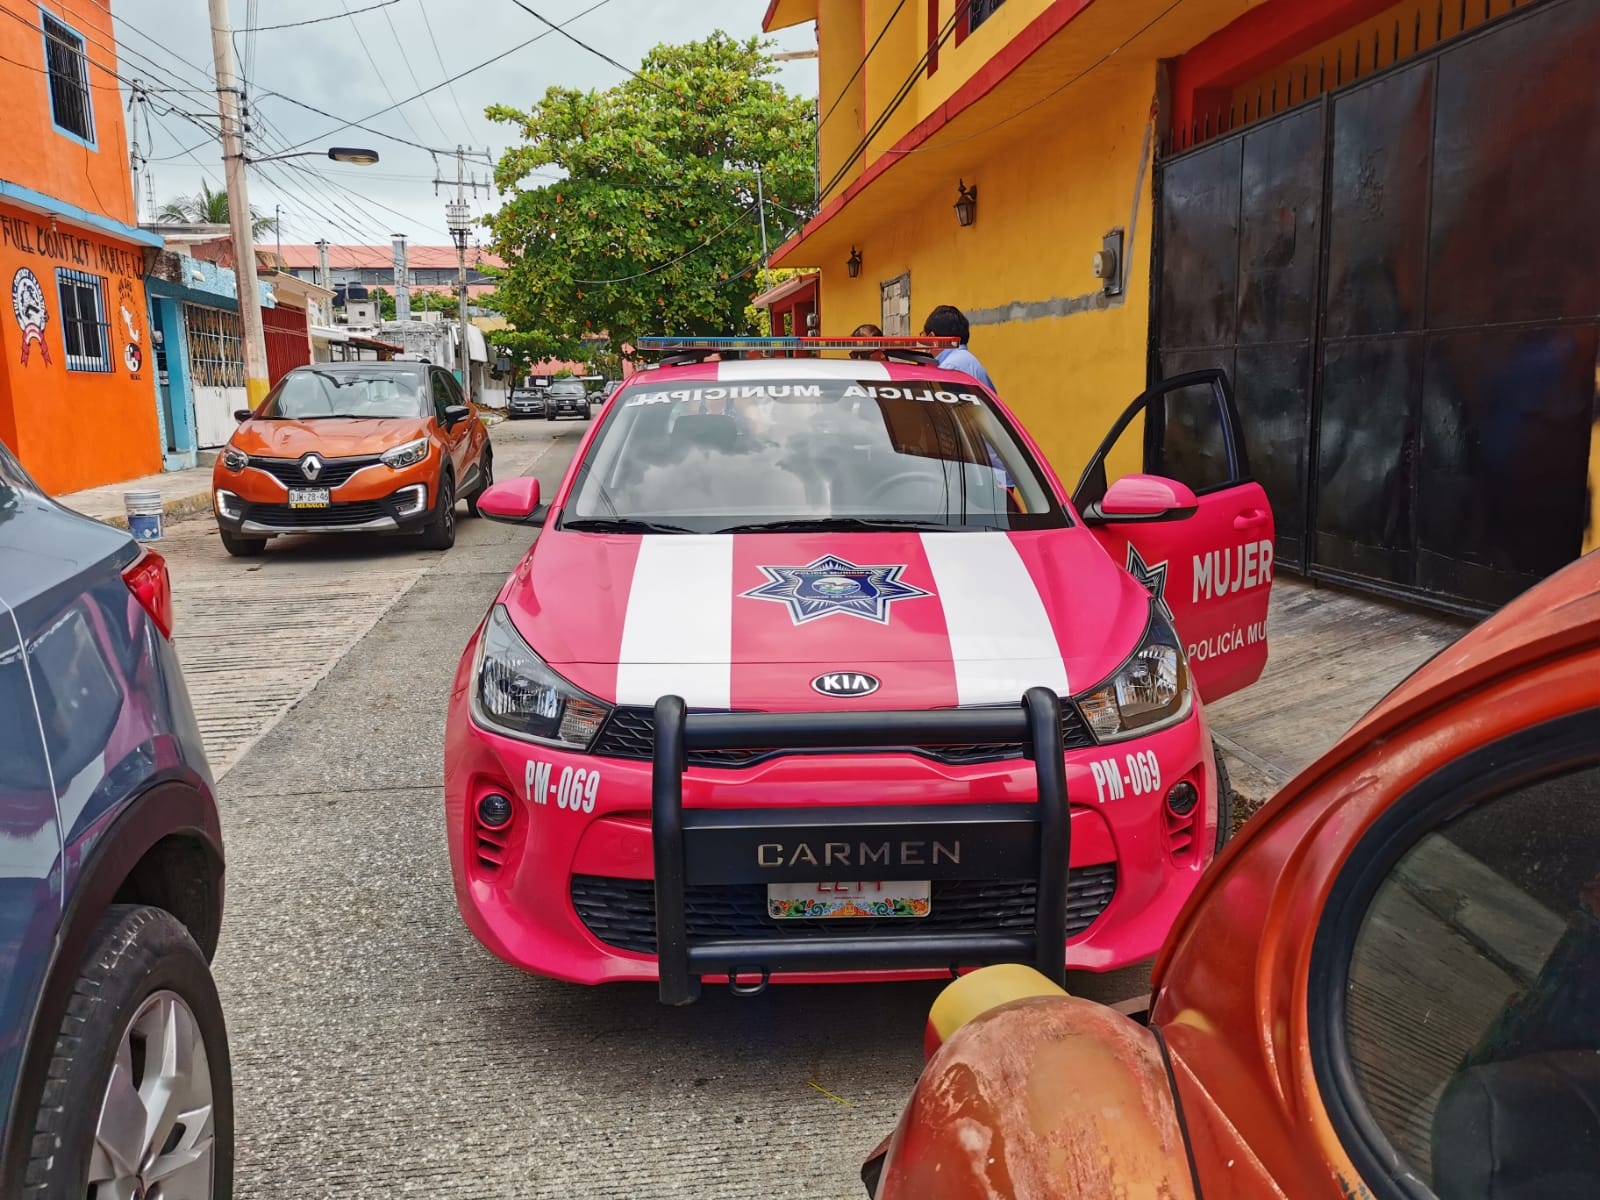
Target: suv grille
[622, 912]
[631, 733]
[335, 471]
[283, 517]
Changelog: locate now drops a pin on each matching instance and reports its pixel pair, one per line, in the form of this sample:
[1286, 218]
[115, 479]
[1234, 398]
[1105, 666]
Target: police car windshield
[314, 395]
[713, 457]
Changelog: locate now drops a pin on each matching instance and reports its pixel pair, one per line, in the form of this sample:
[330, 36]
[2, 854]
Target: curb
[173, 510]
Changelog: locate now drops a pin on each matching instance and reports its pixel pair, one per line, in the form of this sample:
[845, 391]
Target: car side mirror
[242, 414]
[1136, 499]
[514, 501]
[454, 414]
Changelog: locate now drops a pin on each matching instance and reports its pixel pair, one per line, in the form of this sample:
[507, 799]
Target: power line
[415, 82]
[434, 42]
[320, 20]
[580, 43]
[743, 216]
[426, 91]
[862, 65]
[378, 71]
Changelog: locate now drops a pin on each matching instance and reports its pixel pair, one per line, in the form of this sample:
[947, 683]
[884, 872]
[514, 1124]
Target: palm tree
[208, 208]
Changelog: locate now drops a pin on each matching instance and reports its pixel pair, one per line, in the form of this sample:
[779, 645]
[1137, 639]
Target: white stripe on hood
[677, 634]
[1000, 635]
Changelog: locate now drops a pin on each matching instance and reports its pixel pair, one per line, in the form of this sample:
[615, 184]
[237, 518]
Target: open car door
[1208, 555]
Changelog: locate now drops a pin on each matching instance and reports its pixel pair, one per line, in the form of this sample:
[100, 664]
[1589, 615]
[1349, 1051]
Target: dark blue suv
[114, 1071]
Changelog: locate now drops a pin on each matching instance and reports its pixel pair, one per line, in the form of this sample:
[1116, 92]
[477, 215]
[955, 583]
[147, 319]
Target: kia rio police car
[817, 672]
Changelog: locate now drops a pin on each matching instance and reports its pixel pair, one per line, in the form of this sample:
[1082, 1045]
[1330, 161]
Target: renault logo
[311, 467]
[845, 683]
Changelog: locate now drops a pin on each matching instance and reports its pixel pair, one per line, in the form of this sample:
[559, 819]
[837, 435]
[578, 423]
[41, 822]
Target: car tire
[1225, 798]
[142, 975]
[241, 547]
[440, 531]
[485, 482]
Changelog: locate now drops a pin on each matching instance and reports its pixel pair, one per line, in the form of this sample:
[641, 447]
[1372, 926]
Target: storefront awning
[784, 290]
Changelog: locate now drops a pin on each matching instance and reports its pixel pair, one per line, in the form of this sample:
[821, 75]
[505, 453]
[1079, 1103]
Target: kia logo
[845, 683]
[311, 467]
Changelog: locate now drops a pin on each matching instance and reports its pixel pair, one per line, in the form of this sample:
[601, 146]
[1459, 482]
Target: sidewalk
[183, 494]
[1332, 656]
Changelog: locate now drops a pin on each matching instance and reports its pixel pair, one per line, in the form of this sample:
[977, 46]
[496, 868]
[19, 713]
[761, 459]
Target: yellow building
[1161, 185]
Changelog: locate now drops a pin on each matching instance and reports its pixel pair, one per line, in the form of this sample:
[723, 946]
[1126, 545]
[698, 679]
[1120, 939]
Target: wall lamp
[853, 263]
[967, 205]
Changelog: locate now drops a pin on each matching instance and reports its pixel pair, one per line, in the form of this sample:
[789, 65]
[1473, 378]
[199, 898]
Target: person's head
[867, 330]
[947, 321]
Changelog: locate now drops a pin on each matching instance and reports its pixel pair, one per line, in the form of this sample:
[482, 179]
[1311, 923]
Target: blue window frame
[66, 63]
[85, 332]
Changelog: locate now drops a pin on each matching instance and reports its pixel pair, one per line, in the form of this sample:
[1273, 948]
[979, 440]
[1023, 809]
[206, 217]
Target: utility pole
[761, 201]
[322, 263]
[458, 216]
[277, 228]
[244, 249]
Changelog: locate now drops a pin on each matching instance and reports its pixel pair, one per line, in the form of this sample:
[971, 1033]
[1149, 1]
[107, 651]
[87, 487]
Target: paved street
[378, 1051]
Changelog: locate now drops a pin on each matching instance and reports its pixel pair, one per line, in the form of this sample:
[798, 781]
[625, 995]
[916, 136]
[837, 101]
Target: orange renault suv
[358, 447]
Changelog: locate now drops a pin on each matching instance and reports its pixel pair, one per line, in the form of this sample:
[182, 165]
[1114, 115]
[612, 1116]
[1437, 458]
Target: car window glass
[1473, 1003]
[1192, 447]
[79, 698]
[307, 395]
[708, 456]
[453, 388]
[441, 395]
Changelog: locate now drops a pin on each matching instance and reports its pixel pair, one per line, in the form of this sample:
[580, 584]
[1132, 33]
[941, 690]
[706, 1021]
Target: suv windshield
[566, 389]
[795, 453]
[310, 395]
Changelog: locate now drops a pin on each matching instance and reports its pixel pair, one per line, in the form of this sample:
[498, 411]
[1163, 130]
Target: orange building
[77, 397]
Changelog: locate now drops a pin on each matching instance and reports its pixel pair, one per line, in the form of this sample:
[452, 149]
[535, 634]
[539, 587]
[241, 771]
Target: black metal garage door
[1403, 277]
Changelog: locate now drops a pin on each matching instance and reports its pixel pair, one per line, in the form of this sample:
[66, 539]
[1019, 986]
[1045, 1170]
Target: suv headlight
[515, 693]
[234, 459]
[1150, 691]
[408, 455]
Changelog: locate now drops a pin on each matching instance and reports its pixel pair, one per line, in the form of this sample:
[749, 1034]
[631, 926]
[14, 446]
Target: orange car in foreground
[1387, 986]
[356, 447]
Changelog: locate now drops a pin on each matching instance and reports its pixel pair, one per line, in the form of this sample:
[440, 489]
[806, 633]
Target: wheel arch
[164, 849]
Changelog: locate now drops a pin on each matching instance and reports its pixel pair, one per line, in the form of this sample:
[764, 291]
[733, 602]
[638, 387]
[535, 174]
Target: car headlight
[514, 692]
[1148, 692]
[408, 455]
[234, 459]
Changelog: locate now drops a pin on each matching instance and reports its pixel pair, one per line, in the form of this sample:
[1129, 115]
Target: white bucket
[144, 515]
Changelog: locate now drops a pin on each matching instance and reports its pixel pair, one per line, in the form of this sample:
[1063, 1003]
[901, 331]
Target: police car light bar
[803, 345]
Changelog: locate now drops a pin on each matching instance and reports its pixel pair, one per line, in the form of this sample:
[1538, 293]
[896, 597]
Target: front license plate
[810, 901]
[308, 497]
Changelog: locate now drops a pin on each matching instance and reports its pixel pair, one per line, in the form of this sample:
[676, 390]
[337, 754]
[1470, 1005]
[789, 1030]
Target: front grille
[622, 912]
[631, 733]
[281, 516]
[335, 471]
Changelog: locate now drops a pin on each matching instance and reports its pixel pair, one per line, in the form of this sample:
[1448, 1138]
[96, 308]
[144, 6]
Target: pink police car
[817, 672]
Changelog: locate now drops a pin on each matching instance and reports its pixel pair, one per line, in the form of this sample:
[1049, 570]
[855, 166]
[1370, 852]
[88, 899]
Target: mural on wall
[27, 302]
[132, 352]
[45, 239]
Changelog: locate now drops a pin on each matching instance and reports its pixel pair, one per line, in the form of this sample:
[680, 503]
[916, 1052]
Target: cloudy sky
[354, 66]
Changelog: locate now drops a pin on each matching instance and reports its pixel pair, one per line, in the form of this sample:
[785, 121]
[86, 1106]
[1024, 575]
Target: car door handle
[1253, 518]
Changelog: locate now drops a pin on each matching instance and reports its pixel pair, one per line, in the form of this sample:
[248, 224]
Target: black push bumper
[897, 842]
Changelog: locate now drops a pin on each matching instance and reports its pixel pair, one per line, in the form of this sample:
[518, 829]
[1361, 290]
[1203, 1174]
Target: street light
[356, 155]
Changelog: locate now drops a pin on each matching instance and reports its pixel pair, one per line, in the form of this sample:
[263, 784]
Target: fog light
[494, 810]
[1182, 798]
[409, 501]
[228, 505]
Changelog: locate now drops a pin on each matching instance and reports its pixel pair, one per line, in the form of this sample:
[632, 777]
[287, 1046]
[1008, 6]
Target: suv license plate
[308, 497]
[811, 901]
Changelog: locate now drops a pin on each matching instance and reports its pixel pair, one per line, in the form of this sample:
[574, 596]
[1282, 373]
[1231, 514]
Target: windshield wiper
[828, 524]
[620, 525]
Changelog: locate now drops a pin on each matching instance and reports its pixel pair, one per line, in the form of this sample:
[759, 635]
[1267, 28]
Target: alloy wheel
[155, 1136]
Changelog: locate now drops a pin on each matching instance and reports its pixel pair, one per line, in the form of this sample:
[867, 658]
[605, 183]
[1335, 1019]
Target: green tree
[207, 207]
[655, 227]
[386, 303]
